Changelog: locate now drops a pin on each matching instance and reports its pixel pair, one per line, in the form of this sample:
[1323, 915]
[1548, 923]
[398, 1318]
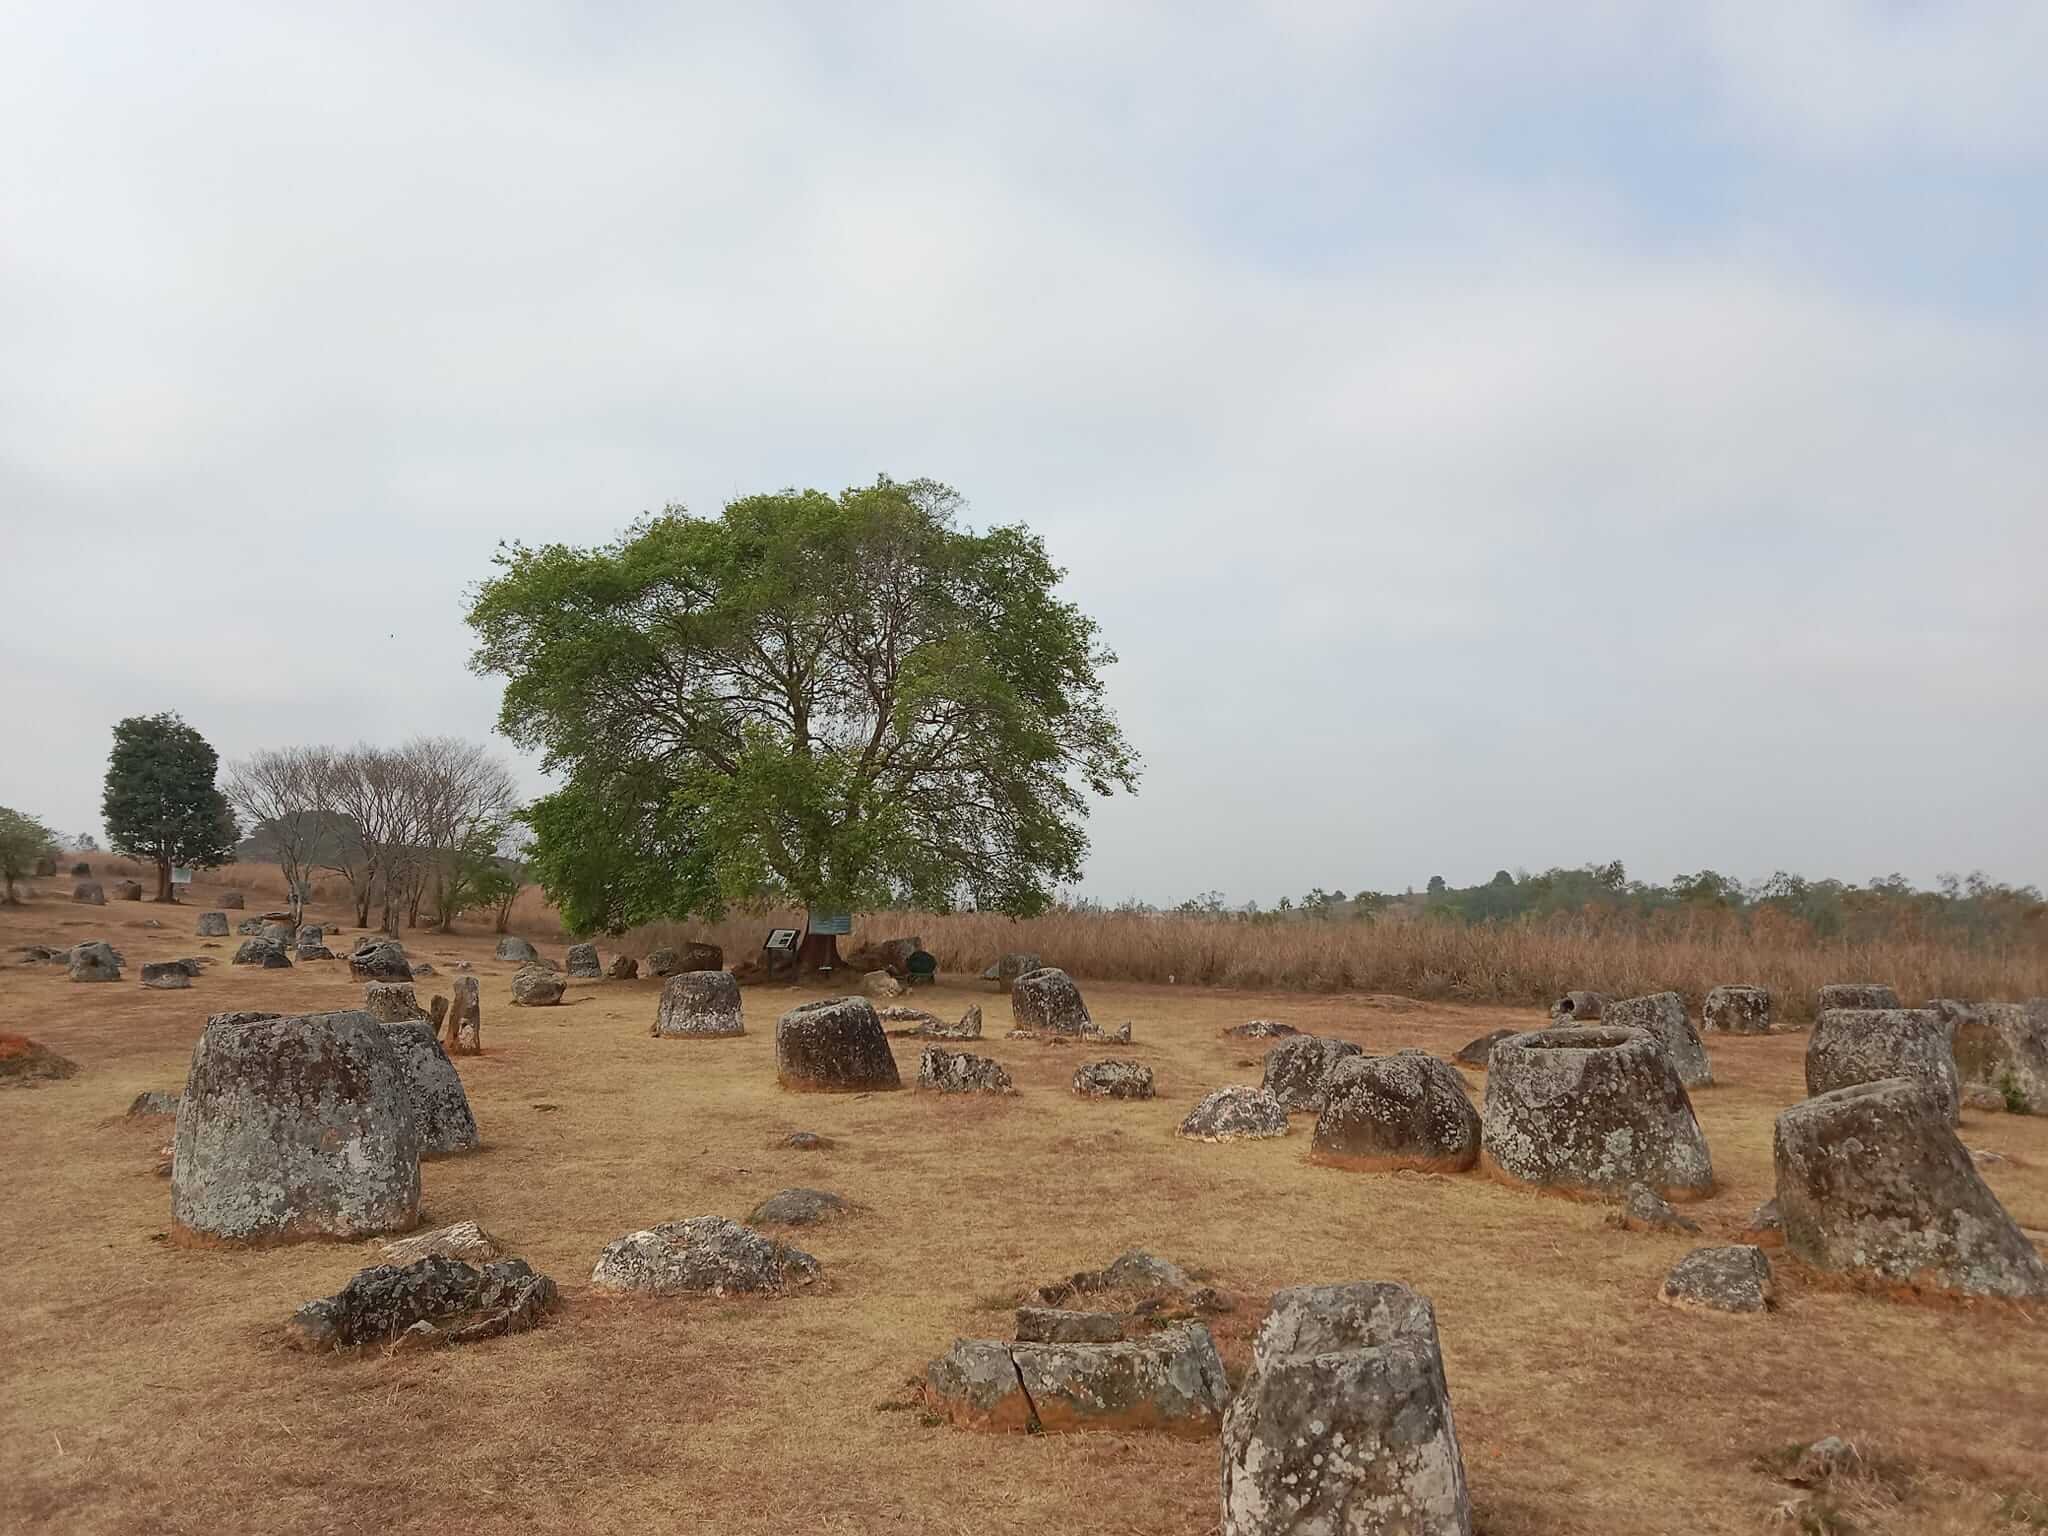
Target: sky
[1489, 436]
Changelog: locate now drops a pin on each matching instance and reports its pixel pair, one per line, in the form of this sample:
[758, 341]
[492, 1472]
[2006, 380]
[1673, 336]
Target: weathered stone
[95, 961]
[379, 959]
[89, 892]
[533, 987]
[806, 1141]
[622, 968]
[421, 972]
[279, 934]
[1113, 1080]
[1854, 994]
[263, 954]
[1121, 1035]
[582, 960]
[700, 1005]
[46, 867]
[1298, 1069]
[692, 956]
[295, 1127]
[231, 900]
[24, 1061]
[437, 1013]
[1766, 1228]
[881, 984]
[943, 1071]
[1392, 1112]
[1592, 1108]
[1237, 1113]
[1477, 1053]
[1737, 1010]
[704, 1255]
[1343, 1425]
[1644, 1210]
[835, 1045]
[512, 947]
[213, 925]
[1009, 967]
[465, 1240]
[1873, 1183]
[440, 1106]
[166, 975]
[1663, 1015]
[1578, 1008]
[390, 1002]
[155, 1101]
[1172, 1380]
[464, 1031]
[1728, 1279]
[798, 1208]
[432, 1300]
[1261, 1029]
[250, 926]
[974, 1385]
[127, 890]
[1047, 1002]
[1865, 1045]
[1054, 1325]
[2003, 1047]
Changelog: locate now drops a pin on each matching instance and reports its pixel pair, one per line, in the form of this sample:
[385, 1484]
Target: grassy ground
[147, 1386]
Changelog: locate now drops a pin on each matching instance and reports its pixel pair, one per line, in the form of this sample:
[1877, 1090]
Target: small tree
[23, 840]
[161, 803]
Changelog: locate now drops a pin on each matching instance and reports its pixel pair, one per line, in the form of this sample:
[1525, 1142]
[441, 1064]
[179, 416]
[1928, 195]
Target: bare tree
[466, 798]
[286, 794]
[370, 788]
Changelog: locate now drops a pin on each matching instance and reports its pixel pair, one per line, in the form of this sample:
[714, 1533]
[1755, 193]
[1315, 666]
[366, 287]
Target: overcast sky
[1490, 436]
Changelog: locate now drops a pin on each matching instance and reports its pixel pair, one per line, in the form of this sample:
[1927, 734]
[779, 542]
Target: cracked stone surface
[1172, 1381]
[432, 1300]
[703, 1255]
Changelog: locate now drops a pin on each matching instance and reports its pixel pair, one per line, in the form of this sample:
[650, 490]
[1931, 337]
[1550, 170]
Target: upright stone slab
[1872, 1183]
[292, 1128]
[1737, 1010]
[1590, 1109]
[583, 961]
[700, 1005]
[1298, 1070]
[465, 1028]
[1344, 1426]
[1391, 1112]
[1663, 1015]
[2003, 1047]
[1047, 1002]
[440, 1106]
[834, 1046]
[1865, 1045]
[213, 925]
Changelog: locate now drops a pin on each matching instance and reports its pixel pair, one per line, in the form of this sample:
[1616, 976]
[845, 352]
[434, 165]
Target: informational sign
[180, 876]
[832, 922]
[781, 938]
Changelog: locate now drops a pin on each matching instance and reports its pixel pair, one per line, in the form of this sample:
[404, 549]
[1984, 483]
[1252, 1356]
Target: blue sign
[832, 922]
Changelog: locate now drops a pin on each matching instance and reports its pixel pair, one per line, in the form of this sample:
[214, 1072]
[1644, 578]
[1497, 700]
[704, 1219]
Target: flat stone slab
[1172, 1382]
[432, 1300]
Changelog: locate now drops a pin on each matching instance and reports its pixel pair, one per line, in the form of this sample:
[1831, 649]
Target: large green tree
[161, 803]
[832, 700]
[23, 840]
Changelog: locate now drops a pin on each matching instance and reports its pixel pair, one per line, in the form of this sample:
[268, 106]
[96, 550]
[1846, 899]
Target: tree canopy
[835, 700]
[161, 803]
[23, 840]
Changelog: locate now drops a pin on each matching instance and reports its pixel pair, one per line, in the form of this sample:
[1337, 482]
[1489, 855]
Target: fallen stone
[1729, 1279]
[1578, 1008]
[421, 972]
[1663, 1015]
[1343, 1424]
[429, 1301]
[622, 968]
[166, 975]
[882, 984]
[1260, 1029]
[1298, 1070]
[213, 925]
[1385, 1113]
[24, 1061]
[293, 1128]
[1054, 1325]
[512, 947]
[1477, 1053]
[440, 1106]
[1854, 994]
[1237, 1113]
[1005, 971]
[1873, 1183]
[975, 1385]
[1644, 1210]
[379, 959]
[2003, 1048]
[834, 1046]
[582, 961]
[1866, 1045]
[942, 1071]
[806, 1141]
[95, 961]
[704, 1255]
[687, 957]
[154, 1101]
[700, 1005]
[1047, 1002]
[263, 954]
[1737, 1010]
[798, 1208]
[465, 1240]
[1766, 1229]
[533, 987]
[1113, 1080]
[1172, 1381]
[1592, 1108]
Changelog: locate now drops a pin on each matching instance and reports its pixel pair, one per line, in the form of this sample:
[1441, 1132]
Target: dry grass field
[148, 1387]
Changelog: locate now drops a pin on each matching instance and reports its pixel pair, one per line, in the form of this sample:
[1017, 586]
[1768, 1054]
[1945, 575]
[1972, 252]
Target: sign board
[781, 938]
[832, 922]
[180, 876]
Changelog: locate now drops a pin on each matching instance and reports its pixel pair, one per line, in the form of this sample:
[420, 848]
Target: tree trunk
[163, 880]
